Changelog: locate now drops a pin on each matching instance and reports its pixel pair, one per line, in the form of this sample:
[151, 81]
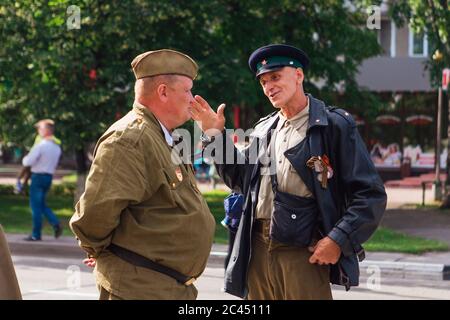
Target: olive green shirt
[137, 198]
[289, 133]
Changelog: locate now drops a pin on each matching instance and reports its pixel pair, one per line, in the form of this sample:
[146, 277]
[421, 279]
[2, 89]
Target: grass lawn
[15, 216]
[390, 241]
[215, 203]
[383, 240]
[15, 213]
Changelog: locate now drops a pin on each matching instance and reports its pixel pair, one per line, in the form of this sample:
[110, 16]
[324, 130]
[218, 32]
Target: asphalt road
[65, 278]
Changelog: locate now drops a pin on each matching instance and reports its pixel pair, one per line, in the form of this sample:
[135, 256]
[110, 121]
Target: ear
[162, 92]
[300, 75]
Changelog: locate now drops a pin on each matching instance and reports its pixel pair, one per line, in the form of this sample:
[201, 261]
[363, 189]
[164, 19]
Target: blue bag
[233, 205]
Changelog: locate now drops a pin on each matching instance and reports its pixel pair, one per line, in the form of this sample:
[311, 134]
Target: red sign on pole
[445, 78]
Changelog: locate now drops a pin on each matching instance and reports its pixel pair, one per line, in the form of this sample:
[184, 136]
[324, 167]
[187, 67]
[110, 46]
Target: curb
[64, 246]
[68, 247]
[18, 248]
[392, 269]
[408, 270]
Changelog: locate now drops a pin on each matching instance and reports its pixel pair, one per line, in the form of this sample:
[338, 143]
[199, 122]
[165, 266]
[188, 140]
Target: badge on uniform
[179, 174]
[321, 165]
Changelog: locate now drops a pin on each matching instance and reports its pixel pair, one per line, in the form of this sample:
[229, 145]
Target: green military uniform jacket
[137, 198]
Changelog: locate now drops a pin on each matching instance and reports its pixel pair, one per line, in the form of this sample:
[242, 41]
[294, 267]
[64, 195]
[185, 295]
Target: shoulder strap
[265, 118]
[273, 162]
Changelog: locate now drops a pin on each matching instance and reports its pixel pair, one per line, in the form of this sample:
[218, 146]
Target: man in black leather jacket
[308, 210]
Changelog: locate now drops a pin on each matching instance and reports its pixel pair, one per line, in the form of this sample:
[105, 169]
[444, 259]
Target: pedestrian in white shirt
[43, 160]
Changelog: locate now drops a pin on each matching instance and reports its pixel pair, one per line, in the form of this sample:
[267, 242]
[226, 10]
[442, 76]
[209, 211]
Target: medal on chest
[321, 165]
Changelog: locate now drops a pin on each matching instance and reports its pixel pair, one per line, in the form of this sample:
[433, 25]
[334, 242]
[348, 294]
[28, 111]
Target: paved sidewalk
[432, 265]
[399, 197]
[433, 224]
[69, 246]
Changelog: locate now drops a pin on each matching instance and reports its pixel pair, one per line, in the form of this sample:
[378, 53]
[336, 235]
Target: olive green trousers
[281, 272]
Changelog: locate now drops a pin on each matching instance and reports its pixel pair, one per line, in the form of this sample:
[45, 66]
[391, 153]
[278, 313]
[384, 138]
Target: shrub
[6, 189]
[62, 189]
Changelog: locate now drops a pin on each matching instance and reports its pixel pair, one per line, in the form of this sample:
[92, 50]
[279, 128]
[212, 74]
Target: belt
[140, 261]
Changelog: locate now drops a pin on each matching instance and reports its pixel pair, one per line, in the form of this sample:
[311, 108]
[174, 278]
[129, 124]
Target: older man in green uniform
[312, 195]
[142, 220]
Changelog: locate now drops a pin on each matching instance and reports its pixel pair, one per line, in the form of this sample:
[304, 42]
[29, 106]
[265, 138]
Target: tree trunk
[81, 173]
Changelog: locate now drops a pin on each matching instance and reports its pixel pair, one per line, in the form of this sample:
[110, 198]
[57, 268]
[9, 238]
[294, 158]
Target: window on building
[418, 44]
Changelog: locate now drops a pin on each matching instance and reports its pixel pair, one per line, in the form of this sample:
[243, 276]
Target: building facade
[406, 129]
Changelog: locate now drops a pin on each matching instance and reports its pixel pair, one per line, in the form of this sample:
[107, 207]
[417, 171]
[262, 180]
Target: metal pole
[445, 202]
[448, 143]
[437, 180]
[423, 193]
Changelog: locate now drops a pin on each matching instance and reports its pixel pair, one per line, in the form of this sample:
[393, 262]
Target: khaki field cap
[165, 61]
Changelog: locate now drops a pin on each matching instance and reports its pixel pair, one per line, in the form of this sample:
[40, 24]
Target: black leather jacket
[351, 206]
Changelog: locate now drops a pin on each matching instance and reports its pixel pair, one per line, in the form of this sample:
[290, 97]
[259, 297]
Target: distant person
[25, 172]
[377, 153]
[201, 167]
[42, 159]
[394, 156]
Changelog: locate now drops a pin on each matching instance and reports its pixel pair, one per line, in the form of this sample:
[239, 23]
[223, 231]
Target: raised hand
[209, 121]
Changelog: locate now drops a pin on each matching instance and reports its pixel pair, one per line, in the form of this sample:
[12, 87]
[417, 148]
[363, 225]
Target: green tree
[82, 78]
[333, 35]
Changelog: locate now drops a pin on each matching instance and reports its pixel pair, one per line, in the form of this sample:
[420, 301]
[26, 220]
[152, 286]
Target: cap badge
[264, 62]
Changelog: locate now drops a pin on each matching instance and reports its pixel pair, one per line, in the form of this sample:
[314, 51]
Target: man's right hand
[210, 122]
[90, 262]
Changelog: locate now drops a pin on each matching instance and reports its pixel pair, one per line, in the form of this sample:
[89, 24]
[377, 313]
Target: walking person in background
[42, 159]
[25, 172]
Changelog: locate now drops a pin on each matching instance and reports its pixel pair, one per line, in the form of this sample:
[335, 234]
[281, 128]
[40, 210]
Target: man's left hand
[326, 251]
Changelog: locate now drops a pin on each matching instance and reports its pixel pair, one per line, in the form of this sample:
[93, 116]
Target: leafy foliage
[82, 77]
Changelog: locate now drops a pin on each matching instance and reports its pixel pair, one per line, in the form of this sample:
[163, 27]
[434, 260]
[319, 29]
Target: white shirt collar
[167, 134]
